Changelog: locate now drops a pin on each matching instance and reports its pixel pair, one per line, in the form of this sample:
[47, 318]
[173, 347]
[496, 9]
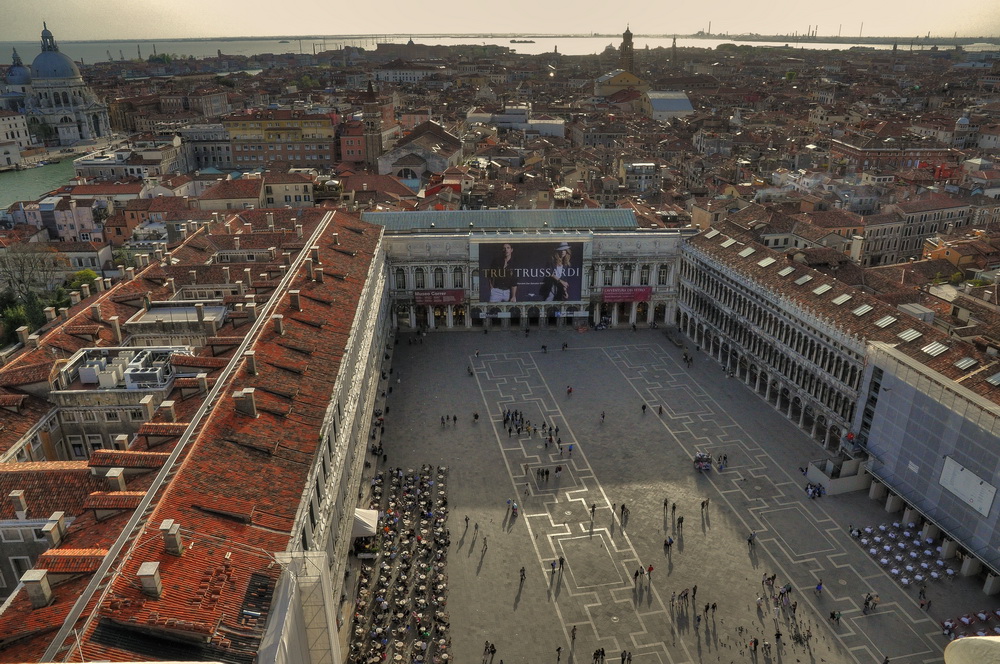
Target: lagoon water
[97, 51]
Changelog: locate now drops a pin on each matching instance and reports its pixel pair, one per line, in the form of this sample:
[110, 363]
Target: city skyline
[77, 20]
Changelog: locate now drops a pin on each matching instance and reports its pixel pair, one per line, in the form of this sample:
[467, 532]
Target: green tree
[82, 277]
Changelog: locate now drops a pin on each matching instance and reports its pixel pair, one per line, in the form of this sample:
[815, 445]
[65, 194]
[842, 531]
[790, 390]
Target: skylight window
[885, 321]
[966, 363]
[728, 243]
[712, 233]
[910, 334]
[994, 380]
[840, 299]
[767, 261]
[785, 271]
[862, 310]
[804, 279]
[746, 252]
[934, 349]
[822, 288]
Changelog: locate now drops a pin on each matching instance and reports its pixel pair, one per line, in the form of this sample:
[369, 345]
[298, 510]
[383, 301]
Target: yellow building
[616, 81]
[305, 140]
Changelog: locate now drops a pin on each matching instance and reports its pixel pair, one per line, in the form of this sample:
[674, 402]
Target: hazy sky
[156, 19]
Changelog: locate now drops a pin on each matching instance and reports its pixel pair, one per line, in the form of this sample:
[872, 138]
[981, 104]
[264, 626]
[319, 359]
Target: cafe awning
[365, 523]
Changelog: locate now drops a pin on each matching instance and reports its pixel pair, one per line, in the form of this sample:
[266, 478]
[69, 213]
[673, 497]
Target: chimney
[50, 313]
[298, 231]
[236, 243]
[98, 285]
[129, 273]
[149, 576]
[251, 308]
[159, 254]
[336, 237]
[319, 275]
[116, 479]
[293, 296]
[116, 326]
[202, 382]
[194, 276]
[279, 323]
[309, 269]
[147, 406]
[246, 277]
[246, 403]
[20, 505]
[107, 283]
[270, 221]
[95, 313]
[85, 290]
[59, 518]
[225, 274]
[251, 362]
[52, 533]
[33, 340]
[283, 269]
[215, 217]
[64, 313]
[121, 442]
[74, 298]
[314, 252]
[172, 541]
[169, 412]
[22, 334]
[199, 311]
[37, 586]
[286, 258]
[172, 284]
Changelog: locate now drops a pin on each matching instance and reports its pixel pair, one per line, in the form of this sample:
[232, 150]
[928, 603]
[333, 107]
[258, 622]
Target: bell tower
[626, 53]
[371, 118]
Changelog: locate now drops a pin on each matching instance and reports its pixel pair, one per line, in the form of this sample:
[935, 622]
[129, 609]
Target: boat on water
[522, 41]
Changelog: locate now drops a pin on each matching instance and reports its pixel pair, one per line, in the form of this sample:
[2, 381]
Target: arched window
[418, 278]
[65, 98]
[609, 275]
[627, 275]
[663, 275]
[644, 276]
[400, 279]
[438, 277]
[458, 278]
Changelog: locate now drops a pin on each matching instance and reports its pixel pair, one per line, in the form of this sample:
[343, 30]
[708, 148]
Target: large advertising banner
[530, 271]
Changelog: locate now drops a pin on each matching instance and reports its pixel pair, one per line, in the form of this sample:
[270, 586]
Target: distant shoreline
[783, 39]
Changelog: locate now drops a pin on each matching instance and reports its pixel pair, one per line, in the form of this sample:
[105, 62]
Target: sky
[156, 19]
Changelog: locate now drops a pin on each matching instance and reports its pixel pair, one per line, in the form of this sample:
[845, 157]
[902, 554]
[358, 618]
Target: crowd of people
[403, 585]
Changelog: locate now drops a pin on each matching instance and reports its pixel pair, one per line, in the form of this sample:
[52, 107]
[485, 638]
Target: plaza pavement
[638, 459]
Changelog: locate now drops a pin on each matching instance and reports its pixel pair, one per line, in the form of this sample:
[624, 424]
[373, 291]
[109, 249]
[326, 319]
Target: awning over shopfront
[365, 523]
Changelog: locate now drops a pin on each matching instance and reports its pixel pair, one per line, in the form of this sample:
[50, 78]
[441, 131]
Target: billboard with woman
[530, 271]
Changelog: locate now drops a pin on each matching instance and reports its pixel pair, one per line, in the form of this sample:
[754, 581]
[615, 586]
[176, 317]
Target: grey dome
[53, 64]
[50, 63]
[17, 73]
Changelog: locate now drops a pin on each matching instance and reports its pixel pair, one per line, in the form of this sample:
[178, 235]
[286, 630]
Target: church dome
[53, 64]
[50, 63]
[17, 73]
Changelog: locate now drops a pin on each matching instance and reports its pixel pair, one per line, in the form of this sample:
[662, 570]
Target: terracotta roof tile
[113, 500]
[71, 561]
[127, 459]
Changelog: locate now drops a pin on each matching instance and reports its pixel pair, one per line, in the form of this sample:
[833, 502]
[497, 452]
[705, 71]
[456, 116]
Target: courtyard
[639, 458]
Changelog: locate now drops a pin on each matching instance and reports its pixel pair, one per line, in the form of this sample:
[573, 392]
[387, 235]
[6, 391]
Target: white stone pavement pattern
[638, 458]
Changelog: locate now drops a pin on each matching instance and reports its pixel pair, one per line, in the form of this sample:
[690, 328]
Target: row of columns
[772, 389]
[562, 319]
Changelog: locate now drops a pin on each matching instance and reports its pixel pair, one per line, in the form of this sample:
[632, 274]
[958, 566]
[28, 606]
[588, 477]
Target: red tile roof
[113, 500]
[49, 486]
[127, 459]
[71, 561]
